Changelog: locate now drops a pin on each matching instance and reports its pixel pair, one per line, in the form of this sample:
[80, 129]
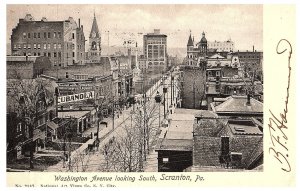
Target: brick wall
[193, 80]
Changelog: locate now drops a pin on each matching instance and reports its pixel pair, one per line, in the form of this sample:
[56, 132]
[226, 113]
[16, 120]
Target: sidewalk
[103, 133]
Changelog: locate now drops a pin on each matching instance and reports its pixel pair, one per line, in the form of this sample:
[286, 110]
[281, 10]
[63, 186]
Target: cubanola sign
[76, 97]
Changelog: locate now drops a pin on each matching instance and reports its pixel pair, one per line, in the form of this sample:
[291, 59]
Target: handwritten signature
[278, 126]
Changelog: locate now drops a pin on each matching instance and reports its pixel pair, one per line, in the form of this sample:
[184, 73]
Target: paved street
[94, 161]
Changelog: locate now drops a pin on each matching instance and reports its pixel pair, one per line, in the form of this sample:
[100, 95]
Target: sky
[243, 24]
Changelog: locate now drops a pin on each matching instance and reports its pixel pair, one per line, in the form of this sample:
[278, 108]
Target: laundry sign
[76, 97]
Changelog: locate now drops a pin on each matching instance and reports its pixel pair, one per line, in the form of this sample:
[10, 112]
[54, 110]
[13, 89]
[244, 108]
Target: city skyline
[142, 19]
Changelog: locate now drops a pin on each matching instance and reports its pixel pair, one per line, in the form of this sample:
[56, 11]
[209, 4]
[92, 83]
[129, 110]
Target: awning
[52, 125]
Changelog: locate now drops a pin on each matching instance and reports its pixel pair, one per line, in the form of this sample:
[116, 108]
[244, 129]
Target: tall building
[61, 41]
[94, 53]
[155, 51]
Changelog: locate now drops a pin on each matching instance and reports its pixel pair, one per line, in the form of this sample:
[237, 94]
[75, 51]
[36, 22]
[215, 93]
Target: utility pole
[144, 127]
[194, 95]
[171, 90]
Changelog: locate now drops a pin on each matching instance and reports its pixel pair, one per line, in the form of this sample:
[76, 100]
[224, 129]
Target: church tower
[203, 45]
[94, 52]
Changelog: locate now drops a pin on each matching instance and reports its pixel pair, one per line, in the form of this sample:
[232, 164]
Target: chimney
[253, 48]
[82, 27]
[225, 156]
[224, 145]
[79, 22]
[248, 99]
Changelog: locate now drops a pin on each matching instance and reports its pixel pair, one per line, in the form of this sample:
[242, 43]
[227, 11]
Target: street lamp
[158, 100]
[23, 105]
[97, 141]
[165, 90]
[56, 100]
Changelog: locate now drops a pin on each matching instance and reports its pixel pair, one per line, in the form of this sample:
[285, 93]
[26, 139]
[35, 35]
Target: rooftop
[237, 104]
[74, 114]
[243, 127]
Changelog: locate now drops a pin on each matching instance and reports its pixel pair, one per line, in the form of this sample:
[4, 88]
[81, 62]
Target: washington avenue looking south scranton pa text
[134, 88]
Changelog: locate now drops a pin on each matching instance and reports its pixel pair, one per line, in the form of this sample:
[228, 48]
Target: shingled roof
[237, 104]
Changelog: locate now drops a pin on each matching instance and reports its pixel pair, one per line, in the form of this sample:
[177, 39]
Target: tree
[29, 99]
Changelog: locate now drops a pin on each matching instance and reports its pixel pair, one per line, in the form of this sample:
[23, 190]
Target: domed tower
[94, 42]
[203, 44]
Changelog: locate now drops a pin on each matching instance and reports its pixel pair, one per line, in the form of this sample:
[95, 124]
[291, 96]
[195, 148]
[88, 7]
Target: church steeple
[94, 42]
[190, 41]
[94, 31]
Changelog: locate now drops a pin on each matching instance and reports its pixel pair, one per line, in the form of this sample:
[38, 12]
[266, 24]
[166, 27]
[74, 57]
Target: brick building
[227, 145]
[155, 51]
[192, 86]
[62, 41]
[26, 67]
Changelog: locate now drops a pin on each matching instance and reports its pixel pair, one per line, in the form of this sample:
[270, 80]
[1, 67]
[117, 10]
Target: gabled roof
[95, 28]
[237, 104]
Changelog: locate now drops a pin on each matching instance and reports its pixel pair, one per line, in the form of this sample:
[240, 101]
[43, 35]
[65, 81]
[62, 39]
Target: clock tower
[94, 52]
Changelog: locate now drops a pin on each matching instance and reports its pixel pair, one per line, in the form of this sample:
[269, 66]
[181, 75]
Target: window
[39, 46]
[34, 46]
[54, 35]
[54, 45]
[59, 46]
[54, 54]
[24, 46]
[218, 73]
[34, 54]
[73, 36]
[73, 46]
[49, 46]
[49, 36]
[19, 46]
[28, 35]
[15, 46]
[24, 35]
[39, 35]
[59, 34]
[59, 54]
[45, 46]
[73, 54]
[19, 127]
[39, 54]
[24, 54]
[34, 35]
[29, 46]
[45, 54]
[45, 35]
[49, 54]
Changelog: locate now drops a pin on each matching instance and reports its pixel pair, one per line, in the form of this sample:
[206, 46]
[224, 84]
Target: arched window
[94, 47]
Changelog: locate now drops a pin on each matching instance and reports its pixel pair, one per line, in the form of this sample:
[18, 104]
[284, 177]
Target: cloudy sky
[242, 23]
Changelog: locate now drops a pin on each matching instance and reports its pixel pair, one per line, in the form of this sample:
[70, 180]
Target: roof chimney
[253, 48]
[79, 22]
[248, 99]
[225, 157]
